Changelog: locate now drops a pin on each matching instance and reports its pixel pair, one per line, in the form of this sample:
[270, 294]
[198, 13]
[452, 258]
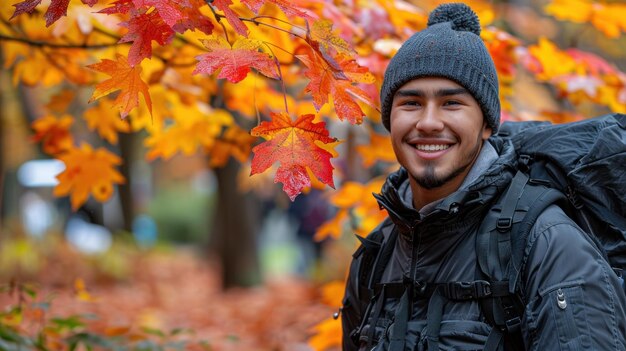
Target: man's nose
[430, 120]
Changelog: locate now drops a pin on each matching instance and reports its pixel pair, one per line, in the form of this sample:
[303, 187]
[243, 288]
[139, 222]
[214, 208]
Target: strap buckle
[504, 224]
[513, 325]
[467, 290]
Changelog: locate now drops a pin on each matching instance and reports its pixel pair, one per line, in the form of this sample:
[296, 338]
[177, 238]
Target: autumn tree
[256, 85]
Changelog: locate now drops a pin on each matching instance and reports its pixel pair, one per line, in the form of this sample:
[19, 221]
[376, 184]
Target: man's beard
[430, 180]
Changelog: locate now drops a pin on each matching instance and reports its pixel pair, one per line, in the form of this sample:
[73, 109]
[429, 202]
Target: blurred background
[197, 255]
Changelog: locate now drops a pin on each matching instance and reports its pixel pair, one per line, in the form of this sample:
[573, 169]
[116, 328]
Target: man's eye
[411, 103]
[451, 103]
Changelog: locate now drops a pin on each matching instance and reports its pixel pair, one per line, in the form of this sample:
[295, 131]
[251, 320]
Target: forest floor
[177, 289]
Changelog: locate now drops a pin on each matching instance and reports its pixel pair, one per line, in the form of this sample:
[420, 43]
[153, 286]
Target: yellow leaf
[81, 291]
[195, 126]
[578, 11]
[88, 171]
[105, 121]
[606, 17]
[554, 62]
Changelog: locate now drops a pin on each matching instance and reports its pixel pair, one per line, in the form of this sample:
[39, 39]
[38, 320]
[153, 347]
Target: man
[440, 102]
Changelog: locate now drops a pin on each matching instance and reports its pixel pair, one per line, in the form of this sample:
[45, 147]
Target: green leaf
[69, 323]
[153, 331]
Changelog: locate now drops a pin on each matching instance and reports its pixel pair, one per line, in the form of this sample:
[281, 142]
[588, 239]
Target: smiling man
[415, 283]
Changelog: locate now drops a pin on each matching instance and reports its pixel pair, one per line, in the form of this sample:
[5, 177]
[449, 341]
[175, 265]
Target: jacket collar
[488, 176]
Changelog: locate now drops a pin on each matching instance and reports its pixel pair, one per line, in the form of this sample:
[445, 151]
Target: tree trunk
[127, 152]
[235, 227]
[2, 167]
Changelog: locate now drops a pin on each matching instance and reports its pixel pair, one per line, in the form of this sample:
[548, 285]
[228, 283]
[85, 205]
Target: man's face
[437, 131]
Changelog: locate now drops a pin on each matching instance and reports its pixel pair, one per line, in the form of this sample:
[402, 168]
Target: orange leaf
[378, 149]
[124, 78]
[54, 133]
[235, 62]
[332, 293]
[294, 145]
[107, 124]
[326, 80]
[332, 228]
[88, 171]
[60, 102]
[327, 335]
[235, 142]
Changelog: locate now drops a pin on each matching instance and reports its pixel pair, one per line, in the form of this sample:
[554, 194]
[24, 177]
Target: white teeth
[432, 147]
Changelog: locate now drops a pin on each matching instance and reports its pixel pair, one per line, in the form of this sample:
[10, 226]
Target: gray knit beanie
[449, 47]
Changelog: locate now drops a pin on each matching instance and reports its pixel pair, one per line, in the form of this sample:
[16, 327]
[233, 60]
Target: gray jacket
[437, 245]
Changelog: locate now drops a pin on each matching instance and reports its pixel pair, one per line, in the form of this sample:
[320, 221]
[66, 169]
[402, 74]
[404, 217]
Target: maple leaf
[378, 149]
[235, 142]
[169, 11]
[54, 133]
[326, 81]
[357, 207]
[60, 102]
[607, 18]
[56, 10]
[287, 7]
[107, 124]
[231, 16]
[88, 171]
[322, 33]
[119, 6]
[192, 129]
[124, 78]
[193, 19]
[553, 61]
[143, 28]
[294, 145]
[327, 334]
[235, 62]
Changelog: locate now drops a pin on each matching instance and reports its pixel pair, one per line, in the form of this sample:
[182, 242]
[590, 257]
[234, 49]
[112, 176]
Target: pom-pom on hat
[450, 47]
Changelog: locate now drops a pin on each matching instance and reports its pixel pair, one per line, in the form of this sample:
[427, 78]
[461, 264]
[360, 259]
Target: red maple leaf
[56, 10]
[287, 7]
[231, 16]
[194, 19]
[142, 29]
[234, 62]
[170, 11]
[294, 145]
[119, 6]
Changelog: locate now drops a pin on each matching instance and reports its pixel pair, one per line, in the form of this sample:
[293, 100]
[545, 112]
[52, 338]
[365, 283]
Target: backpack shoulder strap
[501, 246]
[372, 255]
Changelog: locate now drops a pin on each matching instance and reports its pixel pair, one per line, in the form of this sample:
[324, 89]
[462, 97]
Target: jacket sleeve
[351, 313]
[574, 300]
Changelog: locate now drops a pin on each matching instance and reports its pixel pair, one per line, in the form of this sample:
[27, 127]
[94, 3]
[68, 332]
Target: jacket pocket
[565, 304]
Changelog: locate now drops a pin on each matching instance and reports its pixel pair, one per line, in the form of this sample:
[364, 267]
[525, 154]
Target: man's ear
[487, 131]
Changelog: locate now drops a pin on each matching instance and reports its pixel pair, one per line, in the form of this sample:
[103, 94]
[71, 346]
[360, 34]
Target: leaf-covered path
[179, 290]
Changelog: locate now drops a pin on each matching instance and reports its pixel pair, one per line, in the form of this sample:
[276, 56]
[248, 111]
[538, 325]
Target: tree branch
[58, 45]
